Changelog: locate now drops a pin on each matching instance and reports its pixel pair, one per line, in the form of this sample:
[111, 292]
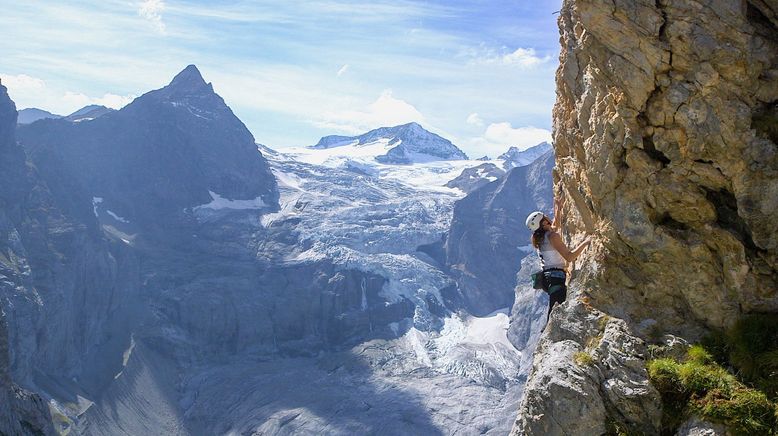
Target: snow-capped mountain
[405, 144]
[518, 158]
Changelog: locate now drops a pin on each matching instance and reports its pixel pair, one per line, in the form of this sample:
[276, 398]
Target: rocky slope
[664, 130]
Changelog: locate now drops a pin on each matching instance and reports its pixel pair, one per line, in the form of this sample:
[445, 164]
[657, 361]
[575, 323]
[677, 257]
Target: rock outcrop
[664, 130]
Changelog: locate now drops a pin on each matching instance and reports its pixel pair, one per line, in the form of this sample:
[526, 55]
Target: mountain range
[86, 113]
[179, 278]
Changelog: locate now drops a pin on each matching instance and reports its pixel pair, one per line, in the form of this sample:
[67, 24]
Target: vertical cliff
[21, 412]
[665, 129]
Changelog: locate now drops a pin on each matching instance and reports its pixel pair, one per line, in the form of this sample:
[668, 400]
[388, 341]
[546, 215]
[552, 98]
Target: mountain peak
[515, 157]
[189, 78]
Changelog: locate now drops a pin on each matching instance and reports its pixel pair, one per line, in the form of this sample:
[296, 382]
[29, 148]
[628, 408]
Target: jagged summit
[189, 78]
[411, 143]
[515, 157]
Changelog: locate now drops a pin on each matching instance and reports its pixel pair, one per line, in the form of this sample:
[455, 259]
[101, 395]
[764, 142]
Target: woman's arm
[559, 201]
[556, 242]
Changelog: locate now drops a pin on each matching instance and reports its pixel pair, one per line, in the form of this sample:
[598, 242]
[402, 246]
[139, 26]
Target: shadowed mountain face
[487, 229]
[157, 156]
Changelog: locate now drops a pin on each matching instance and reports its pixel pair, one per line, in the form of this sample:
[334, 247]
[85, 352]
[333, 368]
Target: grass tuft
[700, 384]
[582, 358]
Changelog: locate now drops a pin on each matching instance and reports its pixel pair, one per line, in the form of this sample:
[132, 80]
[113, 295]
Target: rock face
[21, 412]
[664, 130]
[488, 226]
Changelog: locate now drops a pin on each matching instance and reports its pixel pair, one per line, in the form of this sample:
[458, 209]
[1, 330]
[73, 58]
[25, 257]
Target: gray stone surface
[696, 426]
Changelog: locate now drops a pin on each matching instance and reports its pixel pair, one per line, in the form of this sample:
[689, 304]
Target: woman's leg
[557, 293]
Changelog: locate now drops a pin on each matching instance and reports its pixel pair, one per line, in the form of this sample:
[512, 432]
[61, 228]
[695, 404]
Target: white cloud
[343, 70]
[108, 100]
[22, 82]
[27, 91]
[385, 111]
[498, 137]
[475, 120]
[524, 57]
[151, 10]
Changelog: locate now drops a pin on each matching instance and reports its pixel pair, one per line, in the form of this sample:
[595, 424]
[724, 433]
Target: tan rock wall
[663, 142]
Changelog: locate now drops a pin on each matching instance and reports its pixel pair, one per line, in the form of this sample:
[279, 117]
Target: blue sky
[480, 73]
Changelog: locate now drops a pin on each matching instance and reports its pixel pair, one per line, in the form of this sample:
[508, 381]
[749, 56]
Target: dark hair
[539, 234]
[537, 237]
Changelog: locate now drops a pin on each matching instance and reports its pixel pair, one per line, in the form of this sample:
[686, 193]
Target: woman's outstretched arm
[559, 245]
[559, 201]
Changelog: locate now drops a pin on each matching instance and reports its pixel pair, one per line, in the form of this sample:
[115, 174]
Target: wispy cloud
[475, 120]
[281, 65]
[152, 10]
[342, 70]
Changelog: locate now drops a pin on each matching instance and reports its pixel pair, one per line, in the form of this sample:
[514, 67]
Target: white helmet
[534, 219]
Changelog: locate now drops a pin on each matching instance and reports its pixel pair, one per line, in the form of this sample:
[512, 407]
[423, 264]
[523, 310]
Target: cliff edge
[665, 130]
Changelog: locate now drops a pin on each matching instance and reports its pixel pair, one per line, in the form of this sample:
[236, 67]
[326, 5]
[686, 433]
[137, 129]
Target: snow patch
[218, 202]
[117, 217]
[95, 202]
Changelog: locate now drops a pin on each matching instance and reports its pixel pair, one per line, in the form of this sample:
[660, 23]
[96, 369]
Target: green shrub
[697, 353]
[700, 386]
[746, 411]
[665, 374]
[700, 378]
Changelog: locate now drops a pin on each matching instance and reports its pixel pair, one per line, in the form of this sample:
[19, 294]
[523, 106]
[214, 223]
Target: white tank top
[549, 257]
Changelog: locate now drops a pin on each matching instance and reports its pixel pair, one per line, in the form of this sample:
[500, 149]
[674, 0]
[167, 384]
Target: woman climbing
[552, 252]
